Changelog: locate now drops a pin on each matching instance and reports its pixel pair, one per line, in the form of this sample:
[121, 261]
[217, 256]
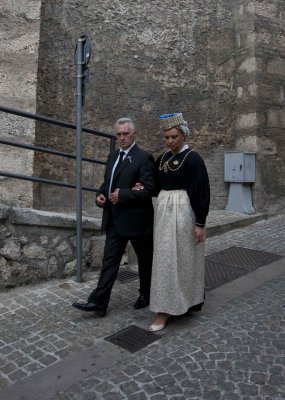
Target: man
[127, 216]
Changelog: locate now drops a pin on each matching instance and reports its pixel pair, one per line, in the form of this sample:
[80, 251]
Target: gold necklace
[165, 166]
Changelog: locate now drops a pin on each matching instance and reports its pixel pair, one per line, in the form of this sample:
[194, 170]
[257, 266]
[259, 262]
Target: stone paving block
[164, 380]
[151, 388]
[129, 388]
[33, 367]
[156, 370]
[17, 375]
[199, 374]
[226, 386]
[132, 370]
[231, 396]
[225, 365]
[173, 368]
[180, 376]
[192, 394]
[172, 390]
[113, 395]
[258, 378]
[9, 368]
[212, 395]
[277, 381]
[48, 360]
[217, 356]
[143, 377]
[220, 376]
[103, 387]
[22, 361]
[138, 396]
[270, 391]
[4, 382]
[247, 389]
[199, 356]
[276, 369]
[159, 396]
[208, 365]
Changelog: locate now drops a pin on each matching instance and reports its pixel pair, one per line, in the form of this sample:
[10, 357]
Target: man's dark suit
[130, 219]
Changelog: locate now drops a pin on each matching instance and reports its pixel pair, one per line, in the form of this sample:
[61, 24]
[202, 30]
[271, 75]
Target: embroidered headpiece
[169, 121]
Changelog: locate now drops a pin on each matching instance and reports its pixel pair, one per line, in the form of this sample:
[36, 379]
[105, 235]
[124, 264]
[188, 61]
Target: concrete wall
[19, 41]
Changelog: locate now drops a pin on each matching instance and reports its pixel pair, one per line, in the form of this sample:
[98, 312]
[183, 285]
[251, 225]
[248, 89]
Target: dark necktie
[122, 153]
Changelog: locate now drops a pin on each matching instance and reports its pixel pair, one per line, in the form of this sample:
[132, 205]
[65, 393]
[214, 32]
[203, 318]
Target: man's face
[125, 135]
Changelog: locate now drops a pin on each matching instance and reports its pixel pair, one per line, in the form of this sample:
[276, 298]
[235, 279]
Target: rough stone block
[249, 65]
[276, 118]
[276, 67]
[70, 267]
[52, 266]
[3, 262]
[64, 249]
[34, 251]
[245, 121]
[265, 8]
[11, 249]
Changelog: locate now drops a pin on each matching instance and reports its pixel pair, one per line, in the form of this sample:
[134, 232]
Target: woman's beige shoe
[161, 322]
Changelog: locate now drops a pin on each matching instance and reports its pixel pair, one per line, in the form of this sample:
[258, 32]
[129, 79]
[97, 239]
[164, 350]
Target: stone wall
[147, 58]
[19, 33]
[219, 62]
[39, 245]
[260, 109]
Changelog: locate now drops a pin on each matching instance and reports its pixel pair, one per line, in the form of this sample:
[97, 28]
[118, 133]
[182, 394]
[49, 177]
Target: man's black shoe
[141, 302]
[89, 307]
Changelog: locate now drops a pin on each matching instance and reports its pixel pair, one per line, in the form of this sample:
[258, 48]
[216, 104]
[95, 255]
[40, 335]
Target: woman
[182, 206]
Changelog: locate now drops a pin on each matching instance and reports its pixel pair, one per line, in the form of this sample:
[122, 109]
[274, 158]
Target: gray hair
[129, 121]
[183, 128]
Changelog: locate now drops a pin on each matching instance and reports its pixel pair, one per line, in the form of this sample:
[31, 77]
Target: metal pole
[79, 97]
[113, 143]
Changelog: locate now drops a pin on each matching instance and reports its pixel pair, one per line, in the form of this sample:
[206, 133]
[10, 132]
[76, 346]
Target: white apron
[178, 271]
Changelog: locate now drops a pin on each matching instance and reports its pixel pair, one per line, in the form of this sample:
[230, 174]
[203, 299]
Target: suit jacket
[133, 214]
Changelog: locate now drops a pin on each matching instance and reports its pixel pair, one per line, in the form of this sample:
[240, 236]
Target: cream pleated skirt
[178, 271]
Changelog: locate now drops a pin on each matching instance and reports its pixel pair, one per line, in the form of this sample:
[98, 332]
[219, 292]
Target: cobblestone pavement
[236, 352]
[233, 352]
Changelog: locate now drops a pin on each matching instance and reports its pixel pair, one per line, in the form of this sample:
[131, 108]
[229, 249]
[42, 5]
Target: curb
[219, 229]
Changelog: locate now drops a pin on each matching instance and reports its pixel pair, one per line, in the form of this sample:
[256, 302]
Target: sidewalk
[221, 221]
[233, 349]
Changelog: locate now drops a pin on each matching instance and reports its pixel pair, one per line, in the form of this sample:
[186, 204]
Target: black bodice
[186, 171]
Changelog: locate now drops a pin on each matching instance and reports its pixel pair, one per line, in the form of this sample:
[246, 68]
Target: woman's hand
[114, 196]
[200, 234]
[138, 186]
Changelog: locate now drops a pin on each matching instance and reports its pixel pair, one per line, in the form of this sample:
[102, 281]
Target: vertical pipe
[113, 143]
[79, 97]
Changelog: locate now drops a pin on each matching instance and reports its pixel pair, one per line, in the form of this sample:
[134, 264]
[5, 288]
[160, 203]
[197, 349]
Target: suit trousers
[115, 246]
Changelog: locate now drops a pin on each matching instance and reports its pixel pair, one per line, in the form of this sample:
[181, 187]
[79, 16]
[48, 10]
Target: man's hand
[114, 196]
[100, 200]
[200, 234]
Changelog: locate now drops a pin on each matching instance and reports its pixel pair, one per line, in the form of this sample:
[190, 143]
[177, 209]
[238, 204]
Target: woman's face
[174, 140]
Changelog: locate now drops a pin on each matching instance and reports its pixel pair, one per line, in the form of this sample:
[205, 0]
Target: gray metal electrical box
[239, 167]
